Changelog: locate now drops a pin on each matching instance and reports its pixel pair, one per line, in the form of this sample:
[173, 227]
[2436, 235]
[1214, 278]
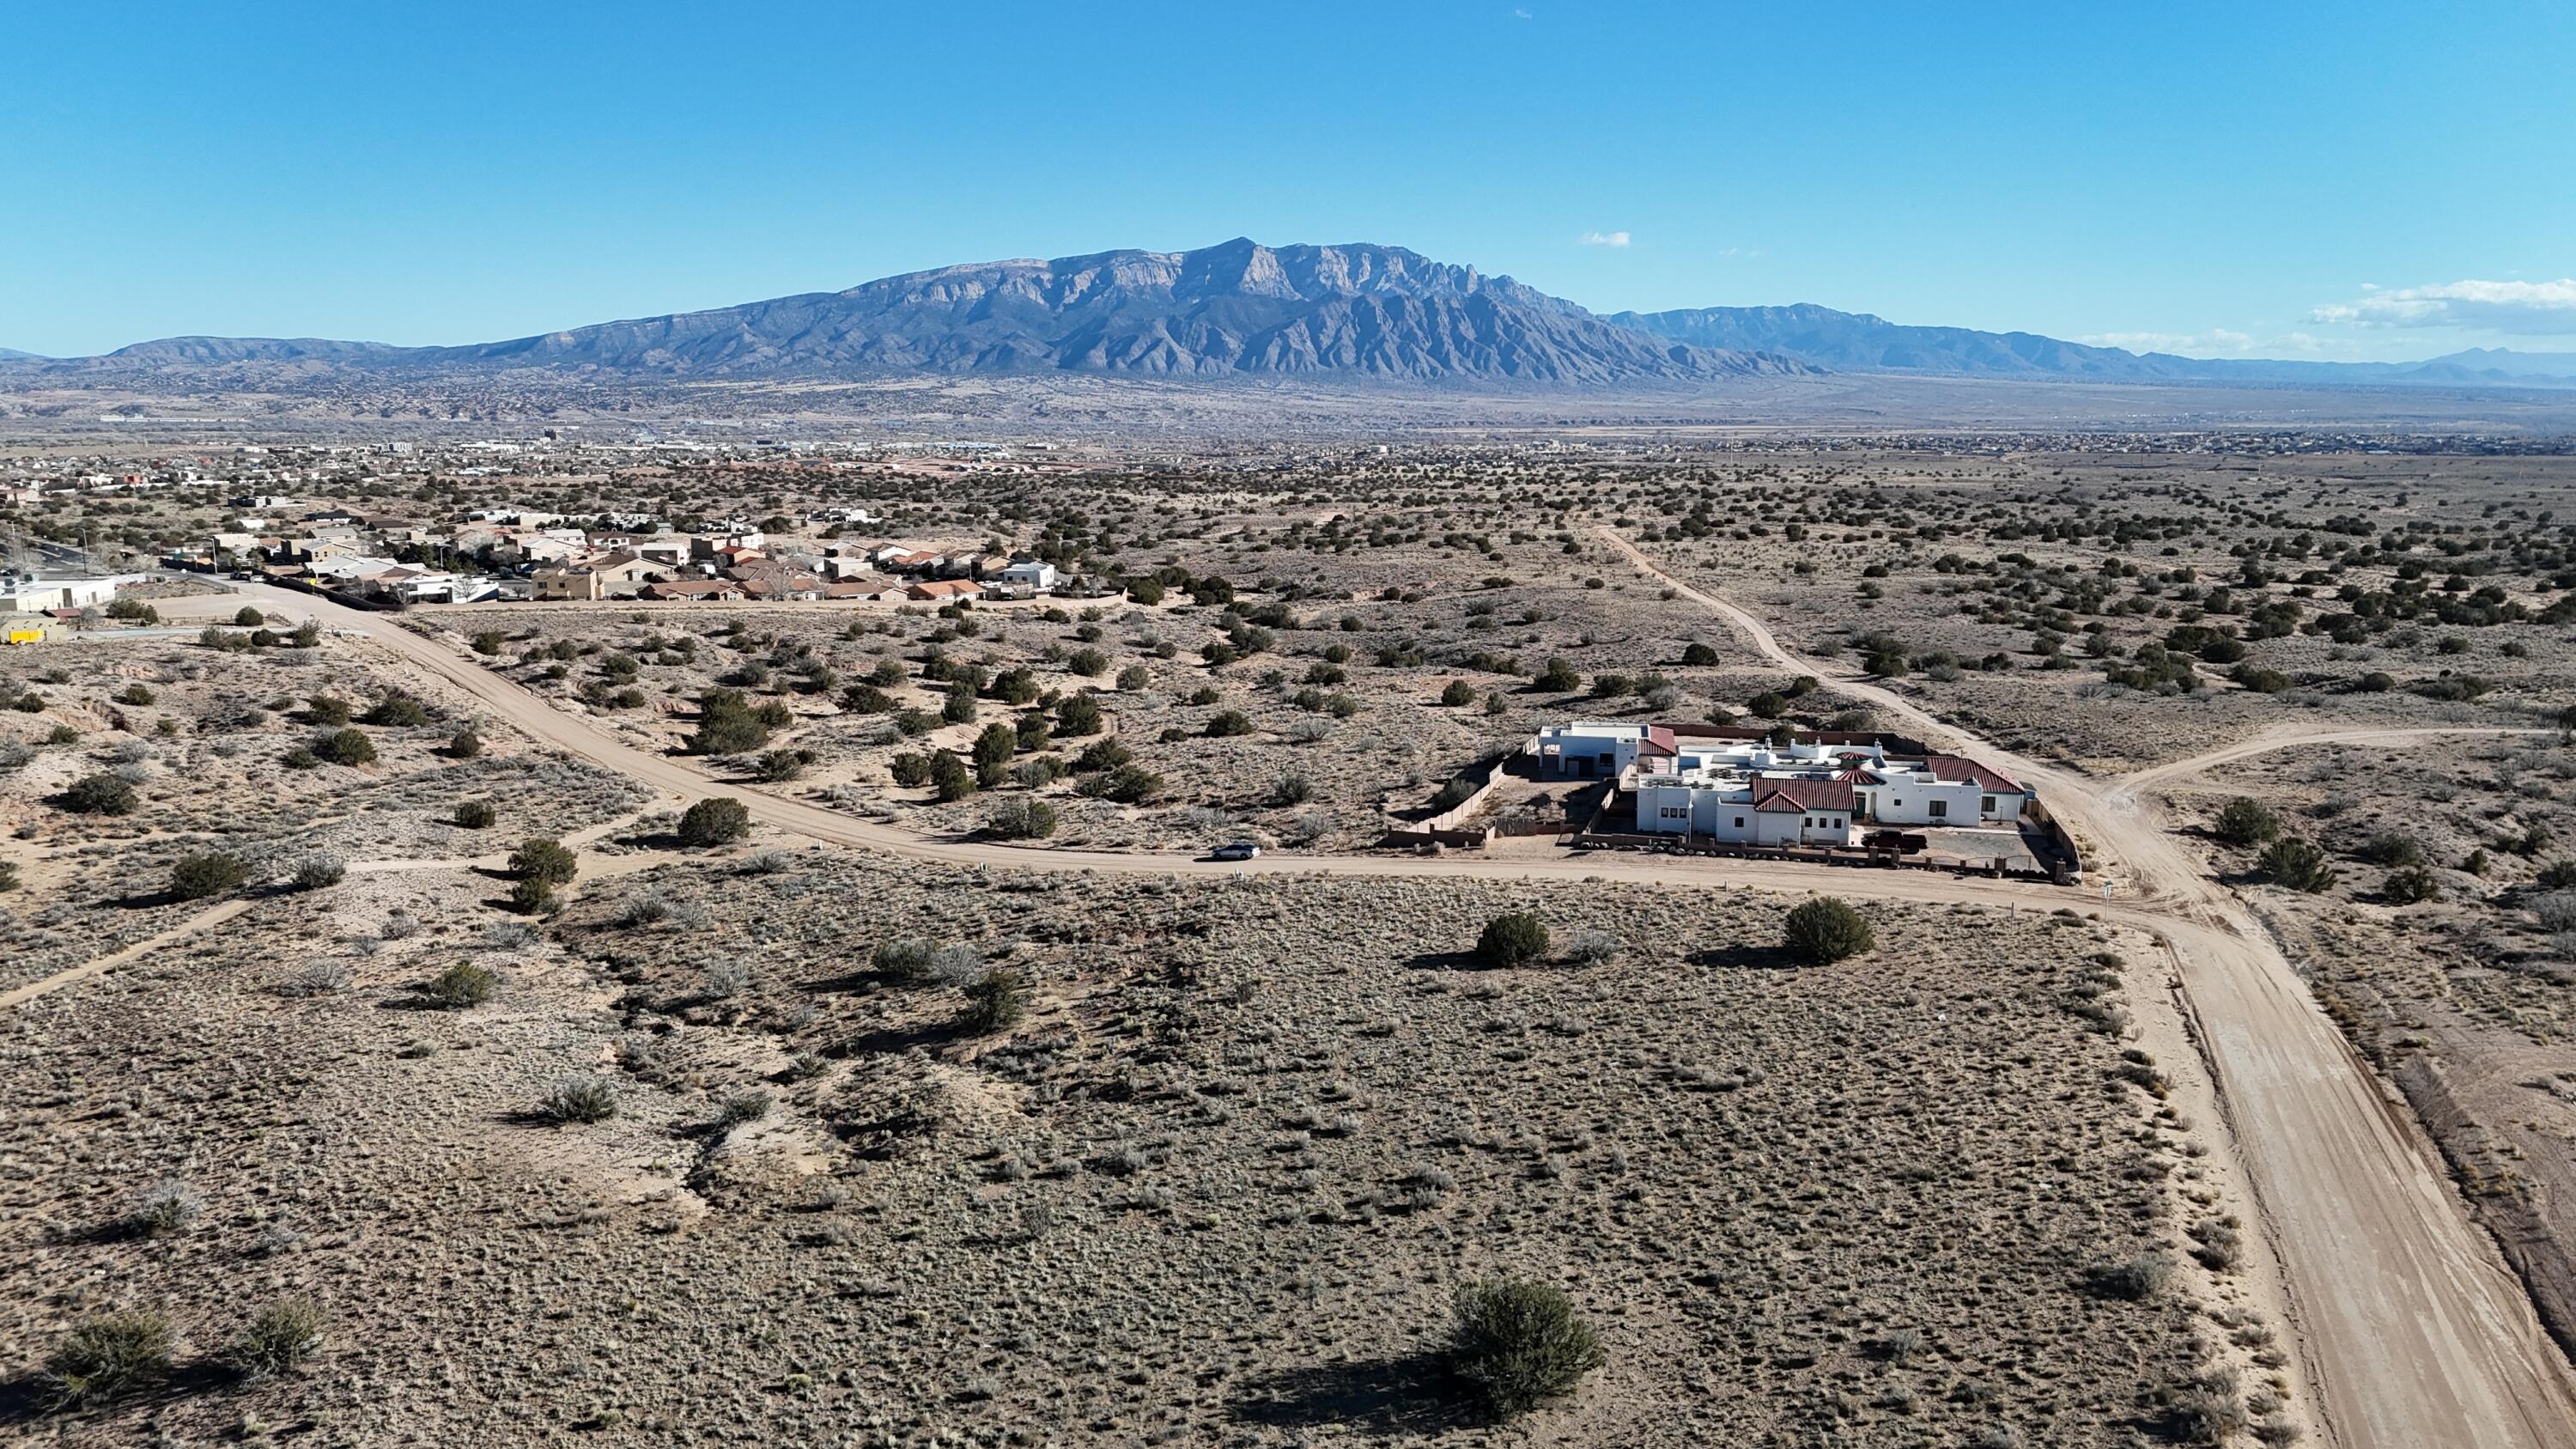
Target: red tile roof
[1961, 768]
[1658, 741]
[1801, 795]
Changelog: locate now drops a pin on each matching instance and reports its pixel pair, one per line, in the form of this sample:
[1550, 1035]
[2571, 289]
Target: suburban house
[614, 574]
[769, 579]
[943, 591]
[569, 581]
[720, 591]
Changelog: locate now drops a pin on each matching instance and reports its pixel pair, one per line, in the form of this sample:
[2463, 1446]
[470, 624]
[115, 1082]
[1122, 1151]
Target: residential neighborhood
[512, 555]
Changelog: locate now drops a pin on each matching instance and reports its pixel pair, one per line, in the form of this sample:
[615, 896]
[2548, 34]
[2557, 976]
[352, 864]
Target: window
[1987, 806]
[1940, 809]
[1739, 822]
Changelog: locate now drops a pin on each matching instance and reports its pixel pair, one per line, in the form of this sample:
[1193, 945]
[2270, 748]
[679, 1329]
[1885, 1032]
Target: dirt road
[2415, 1332]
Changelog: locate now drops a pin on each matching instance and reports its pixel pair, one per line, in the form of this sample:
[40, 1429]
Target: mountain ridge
[1862, 342]
[1355, 311]
[1352, 312]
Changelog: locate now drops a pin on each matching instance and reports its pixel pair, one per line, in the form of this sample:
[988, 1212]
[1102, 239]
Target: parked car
[1239, 850]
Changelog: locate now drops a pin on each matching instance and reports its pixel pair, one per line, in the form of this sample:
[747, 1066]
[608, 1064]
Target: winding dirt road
[2416, 1335]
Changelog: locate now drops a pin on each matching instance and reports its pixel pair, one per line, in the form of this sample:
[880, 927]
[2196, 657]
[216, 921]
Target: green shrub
[949, 777]
[912, 961]
[2141, 1278]
[750, 1104]
[2392, 848]
[1077, 715]
[399, 711]
[346, 746]
[2412, 884]
[166, 1207]
[533, 895]
[1227, 723]
[1020, 817]
[474, 814]
[720, 820]
[2297, 865]
[248, 617]
[1826, 930]
[207, 873]
[1520, 1343]
[579, 1099]
[1459, 692]
[995, 746]
[995, 1000]
[728, 724]
[544, 858]
[315, 872]
[2244, 822]
[276, 1339]
[100, 794]
[105, 1355]
[464, 744]
[1515, 939]
[462, 984]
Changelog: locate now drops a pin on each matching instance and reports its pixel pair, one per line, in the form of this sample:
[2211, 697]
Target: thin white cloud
[1602, 239]
[2217, 339]
[2545, 309]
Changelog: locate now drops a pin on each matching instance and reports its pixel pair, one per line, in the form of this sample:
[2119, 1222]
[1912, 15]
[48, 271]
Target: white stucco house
[1030, 573]
[1747, 809]
[1738, 791]
[1600, 749]
[35, 596]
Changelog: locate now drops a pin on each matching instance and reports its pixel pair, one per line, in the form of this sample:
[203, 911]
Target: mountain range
[1859, 342]
[1360, 313]
[1364, 312]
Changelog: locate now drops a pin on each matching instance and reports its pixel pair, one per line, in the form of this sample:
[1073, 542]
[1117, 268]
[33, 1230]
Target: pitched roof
[1658, 741]
[1801, 795]
[1960, 767]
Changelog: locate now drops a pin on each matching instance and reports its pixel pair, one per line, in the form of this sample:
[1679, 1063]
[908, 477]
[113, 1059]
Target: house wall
[1621, 752]
[1710, 815]
[1905, 802]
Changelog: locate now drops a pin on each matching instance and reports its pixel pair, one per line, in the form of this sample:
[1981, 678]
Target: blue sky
[2361, 179]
